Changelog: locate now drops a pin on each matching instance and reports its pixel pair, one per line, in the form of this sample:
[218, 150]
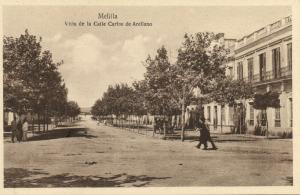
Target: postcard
[148, 97]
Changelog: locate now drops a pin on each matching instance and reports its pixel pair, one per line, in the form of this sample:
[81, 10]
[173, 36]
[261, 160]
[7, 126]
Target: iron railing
[269, 75]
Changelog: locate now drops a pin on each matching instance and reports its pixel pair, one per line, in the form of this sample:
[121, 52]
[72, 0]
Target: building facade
[263, 58]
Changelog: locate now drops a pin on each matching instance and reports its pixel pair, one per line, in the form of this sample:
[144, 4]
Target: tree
[72, 109]
[199, 65]
[98, 109]
[266, 100]
[232, 92]
[158, 81]
[138, 100]
[32, 81]
[20, 59]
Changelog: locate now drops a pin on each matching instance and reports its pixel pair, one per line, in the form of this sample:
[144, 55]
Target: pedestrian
[19, 133]
[14, 129]
[202, 138]
[25, 129]
[204, 131]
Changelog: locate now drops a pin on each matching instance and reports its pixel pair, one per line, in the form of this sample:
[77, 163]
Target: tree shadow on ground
[16, 177]
[62, 133]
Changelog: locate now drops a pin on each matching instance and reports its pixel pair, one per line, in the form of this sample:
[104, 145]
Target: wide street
[103, 156]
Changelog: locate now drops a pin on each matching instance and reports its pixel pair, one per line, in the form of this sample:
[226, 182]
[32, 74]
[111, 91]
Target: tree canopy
[266, 100]
[32, 81]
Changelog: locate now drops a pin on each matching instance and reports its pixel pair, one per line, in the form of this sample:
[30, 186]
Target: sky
[97, 56]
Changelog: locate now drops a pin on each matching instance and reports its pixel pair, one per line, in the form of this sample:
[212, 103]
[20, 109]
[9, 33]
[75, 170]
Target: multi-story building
[263, 58]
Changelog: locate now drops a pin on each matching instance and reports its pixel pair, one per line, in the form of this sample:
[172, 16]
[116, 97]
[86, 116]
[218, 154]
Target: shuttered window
[277, 117]
[289, 56]
[208, 113]
[250, 69]
[240, 71]
[262, 66]
[276, 62]
[251, 121]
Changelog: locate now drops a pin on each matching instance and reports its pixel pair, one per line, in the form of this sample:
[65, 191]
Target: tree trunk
[222, 107]
[39, 122]
[182, 119]
[165, 130]
[267, 130]
[32, 125]
[240, 129]
[47, 120]
[44, 122]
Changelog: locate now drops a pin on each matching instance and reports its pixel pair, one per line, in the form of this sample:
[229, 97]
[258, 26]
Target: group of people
[204, 135]
[19, 129]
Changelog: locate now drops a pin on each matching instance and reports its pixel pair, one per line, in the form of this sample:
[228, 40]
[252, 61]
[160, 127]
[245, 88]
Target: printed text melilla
[107, 16]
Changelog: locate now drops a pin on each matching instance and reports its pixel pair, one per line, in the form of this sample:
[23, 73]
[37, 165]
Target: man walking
[205, 135]
[202, 138]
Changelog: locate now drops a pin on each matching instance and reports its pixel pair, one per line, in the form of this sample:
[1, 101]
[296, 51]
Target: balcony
[285, 72]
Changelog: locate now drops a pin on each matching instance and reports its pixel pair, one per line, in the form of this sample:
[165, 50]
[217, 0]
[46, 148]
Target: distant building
[85, 110]
[264, 58]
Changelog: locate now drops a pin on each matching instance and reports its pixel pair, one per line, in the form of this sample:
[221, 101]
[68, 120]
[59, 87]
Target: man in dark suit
[205, 135]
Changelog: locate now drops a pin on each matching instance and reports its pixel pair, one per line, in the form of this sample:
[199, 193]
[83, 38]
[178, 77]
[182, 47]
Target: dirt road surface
[101, 156]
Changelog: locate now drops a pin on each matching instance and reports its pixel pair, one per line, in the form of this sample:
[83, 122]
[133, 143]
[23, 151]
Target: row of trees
[120, 100]
[167, 89]
[31, 80]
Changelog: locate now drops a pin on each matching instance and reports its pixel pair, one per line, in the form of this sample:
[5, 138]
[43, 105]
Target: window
[230, 71]
[240, 71]
[262, 66]
[215, 119]
[208, 113]
[263, 118]
[231, 113]
[223, 114]
[276, 63]
[251, 121]
[277, 117]
[289, 56]
[250, 69]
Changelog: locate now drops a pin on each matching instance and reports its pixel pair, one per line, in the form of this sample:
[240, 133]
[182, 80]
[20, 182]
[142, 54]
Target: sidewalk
[192, 135]
[36, 134]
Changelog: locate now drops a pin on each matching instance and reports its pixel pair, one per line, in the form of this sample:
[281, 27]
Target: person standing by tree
[25, 129]
[13, 129]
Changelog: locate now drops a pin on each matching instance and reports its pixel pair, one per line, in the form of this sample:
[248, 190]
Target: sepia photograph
[147, 96]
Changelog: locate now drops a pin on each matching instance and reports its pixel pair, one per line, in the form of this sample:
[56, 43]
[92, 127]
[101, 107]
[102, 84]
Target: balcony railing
[269, 76]
[250, 38]
[265, 31]
[261, 32]
[275, 25]
[241, 42]
[286, 71]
